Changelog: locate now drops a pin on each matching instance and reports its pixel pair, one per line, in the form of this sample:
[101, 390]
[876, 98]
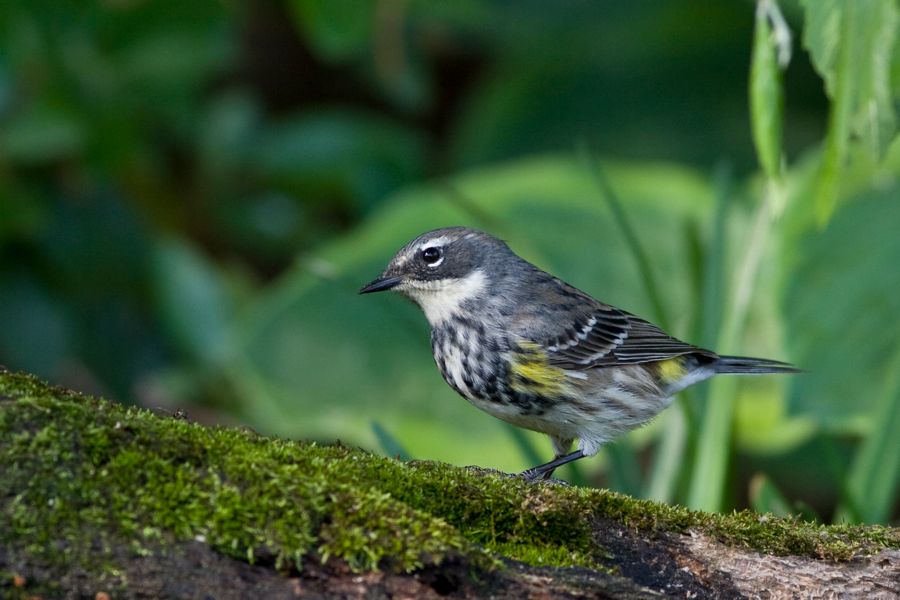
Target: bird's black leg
[545, 470]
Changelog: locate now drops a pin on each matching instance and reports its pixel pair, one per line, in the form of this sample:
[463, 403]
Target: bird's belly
[481, 376]
[594, 406]
[548, 420]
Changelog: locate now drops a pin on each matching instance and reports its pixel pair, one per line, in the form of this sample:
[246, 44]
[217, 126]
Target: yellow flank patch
[531, 373]
[671, 370]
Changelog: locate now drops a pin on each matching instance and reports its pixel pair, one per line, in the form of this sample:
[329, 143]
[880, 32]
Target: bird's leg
[561, 447]
[545, 470]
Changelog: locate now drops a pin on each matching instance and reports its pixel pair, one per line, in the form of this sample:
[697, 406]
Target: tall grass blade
[634, 244]
[765, 497]
[707, 486]
[668, 461]
[624, 470]
[390, 445]
[873, 482]
[713, 301]
[679, 435]
[529, 453]
[575, 475]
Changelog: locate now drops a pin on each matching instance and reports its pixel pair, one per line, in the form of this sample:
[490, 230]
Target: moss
[746, 529]
[81, 473]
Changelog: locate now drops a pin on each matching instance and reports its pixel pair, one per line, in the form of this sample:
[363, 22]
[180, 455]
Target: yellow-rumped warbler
[534, 351]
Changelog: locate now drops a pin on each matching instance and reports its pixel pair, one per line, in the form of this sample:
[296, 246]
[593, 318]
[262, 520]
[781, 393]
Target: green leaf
[766, 92]
[338, 29]
[339, 156]
[841, 307]
[39, 333]
[851, 43]
[42, 132]
[193, 301]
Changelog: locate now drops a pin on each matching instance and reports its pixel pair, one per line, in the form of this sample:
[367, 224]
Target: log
[105, 501]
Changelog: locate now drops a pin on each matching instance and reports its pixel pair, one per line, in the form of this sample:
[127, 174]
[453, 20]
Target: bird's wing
[578, 332]
[607, 336]
[600, 335]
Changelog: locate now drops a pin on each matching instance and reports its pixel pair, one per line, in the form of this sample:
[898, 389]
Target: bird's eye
[432, 256]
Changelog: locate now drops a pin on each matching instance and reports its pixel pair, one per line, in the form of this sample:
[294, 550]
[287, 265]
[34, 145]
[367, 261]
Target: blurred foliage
[551, 208]
[192, 192]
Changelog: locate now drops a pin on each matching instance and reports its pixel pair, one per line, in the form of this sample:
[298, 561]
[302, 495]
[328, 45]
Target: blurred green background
[192, 192]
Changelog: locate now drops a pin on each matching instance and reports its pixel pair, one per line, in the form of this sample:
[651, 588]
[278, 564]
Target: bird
[536, 352]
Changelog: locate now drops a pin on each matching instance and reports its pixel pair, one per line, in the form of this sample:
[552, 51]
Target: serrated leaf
[841, 309]
[851, 43]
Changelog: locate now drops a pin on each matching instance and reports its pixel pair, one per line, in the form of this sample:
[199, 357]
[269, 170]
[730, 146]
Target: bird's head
[442, 269]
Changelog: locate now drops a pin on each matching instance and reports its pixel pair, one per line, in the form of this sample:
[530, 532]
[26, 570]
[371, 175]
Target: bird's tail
[745, 364]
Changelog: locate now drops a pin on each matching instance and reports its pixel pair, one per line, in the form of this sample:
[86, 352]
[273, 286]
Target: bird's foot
[535, 475]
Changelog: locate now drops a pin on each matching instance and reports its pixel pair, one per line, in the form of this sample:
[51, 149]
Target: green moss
[764, 533]
[81, 472]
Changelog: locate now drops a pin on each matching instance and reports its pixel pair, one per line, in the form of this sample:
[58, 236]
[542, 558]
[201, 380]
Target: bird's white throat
[442, 298]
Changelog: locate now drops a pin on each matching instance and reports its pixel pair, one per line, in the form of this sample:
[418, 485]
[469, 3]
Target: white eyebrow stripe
[438, 242]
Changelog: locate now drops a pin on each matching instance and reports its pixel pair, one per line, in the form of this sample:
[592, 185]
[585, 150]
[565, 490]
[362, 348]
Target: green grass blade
[529, 453]
[669, 464]
[713, 301]
[765, 497]
[574, 474]
[873, 482]
[389, 444]
[668, 461]
[835, 464]
[708, 480]
[608, 193]
[624, 470]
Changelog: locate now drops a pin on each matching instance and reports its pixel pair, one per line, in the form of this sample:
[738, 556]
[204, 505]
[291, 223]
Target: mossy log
[98, 497]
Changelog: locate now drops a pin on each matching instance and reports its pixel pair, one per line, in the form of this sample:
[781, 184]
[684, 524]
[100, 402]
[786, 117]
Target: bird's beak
[381, 284]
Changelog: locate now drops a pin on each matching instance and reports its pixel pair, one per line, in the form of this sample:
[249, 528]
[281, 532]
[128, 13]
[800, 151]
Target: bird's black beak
[381, 284]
